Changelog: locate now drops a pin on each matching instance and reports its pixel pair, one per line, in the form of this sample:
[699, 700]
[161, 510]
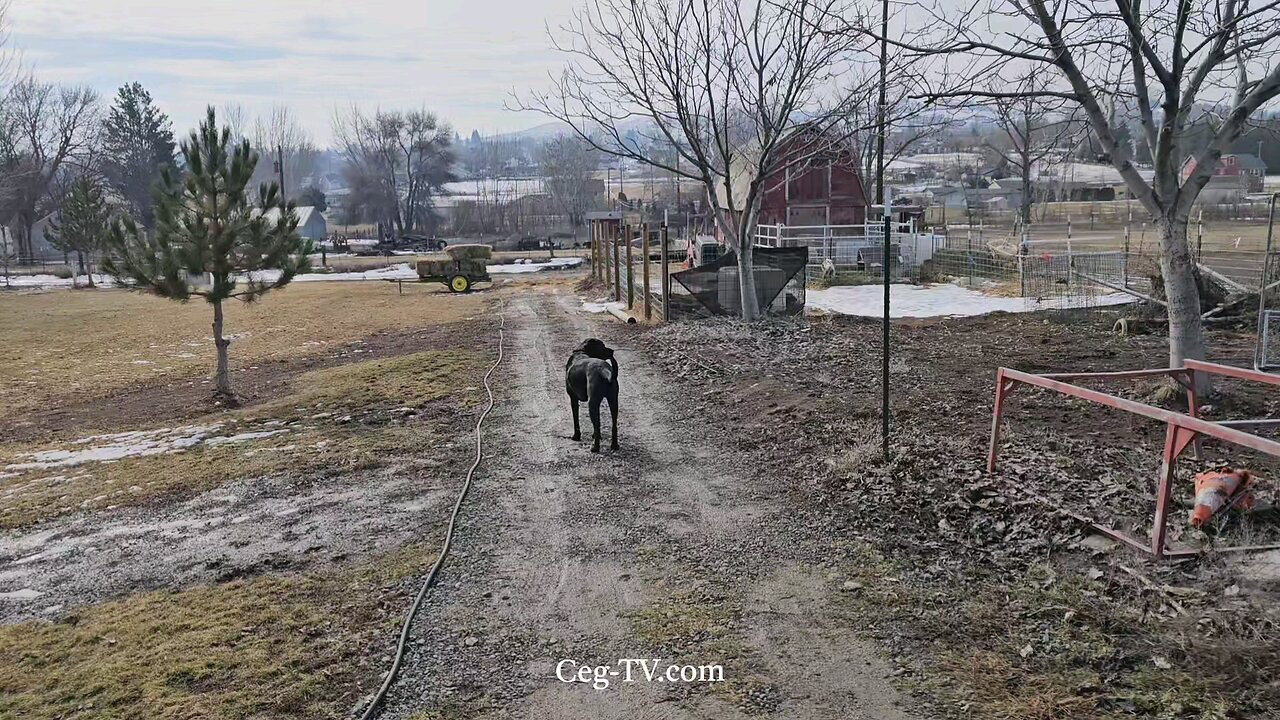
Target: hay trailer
[459, 267]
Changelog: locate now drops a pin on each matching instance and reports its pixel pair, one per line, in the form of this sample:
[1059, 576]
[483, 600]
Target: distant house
[1238, 165]
[977, 200]
[1071, 180]
[311, 224]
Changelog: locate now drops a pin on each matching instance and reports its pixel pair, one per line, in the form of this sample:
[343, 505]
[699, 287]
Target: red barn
[821, 187]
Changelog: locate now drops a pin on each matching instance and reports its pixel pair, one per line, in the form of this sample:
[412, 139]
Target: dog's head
[594, 347]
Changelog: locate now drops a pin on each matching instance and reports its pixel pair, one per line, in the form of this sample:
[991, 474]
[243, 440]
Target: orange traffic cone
[1214, 489]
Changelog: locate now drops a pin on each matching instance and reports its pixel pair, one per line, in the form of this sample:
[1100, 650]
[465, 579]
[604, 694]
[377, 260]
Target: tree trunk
[222, 378]
[83, 271]
[26, 249]
[1024, 206]
[747, 280]
[1186, 330]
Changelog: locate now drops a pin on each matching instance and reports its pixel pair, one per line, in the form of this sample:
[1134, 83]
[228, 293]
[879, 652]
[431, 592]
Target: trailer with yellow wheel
[459, 267]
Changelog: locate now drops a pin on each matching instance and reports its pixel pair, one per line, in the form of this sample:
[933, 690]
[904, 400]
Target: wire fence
[1125, 254]
[1092, 214]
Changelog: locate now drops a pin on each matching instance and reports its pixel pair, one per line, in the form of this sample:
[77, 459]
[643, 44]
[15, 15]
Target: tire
[460, 283]
[441, 244]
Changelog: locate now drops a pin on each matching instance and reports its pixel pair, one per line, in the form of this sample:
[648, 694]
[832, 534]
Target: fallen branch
[1151, 584]
[1119, 288]
[1222, 279]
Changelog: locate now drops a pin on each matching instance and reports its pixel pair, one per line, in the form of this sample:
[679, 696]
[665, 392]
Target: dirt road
[663, 550]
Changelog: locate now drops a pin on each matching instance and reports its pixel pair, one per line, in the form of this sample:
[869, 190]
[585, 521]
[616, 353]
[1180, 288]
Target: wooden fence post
[644, 258]
[631, 286]
[617, 271]
[666, 277]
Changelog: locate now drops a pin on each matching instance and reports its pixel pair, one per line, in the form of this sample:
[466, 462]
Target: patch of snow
[23, 594]
[241, 437]
[52, 281]
[529, 266]
[399, 271]
[139, 443]
[602, 307]
[940, 300]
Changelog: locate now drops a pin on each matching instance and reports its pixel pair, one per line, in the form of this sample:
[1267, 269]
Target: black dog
[590, 376]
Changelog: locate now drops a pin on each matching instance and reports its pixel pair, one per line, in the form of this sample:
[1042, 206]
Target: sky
[458, 58]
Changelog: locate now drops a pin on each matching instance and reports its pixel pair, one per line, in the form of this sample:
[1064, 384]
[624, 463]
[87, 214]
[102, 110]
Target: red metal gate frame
[1182, 431]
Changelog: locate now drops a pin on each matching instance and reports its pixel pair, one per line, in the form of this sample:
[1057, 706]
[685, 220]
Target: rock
[471, 641]
[851, 585]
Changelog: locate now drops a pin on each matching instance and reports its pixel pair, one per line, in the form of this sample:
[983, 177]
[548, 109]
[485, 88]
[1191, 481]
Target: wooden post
[617, 272]
[644, 274]
[666, 277]
[631, 286]
[1200, 236]
[1124, 258]
[591, 243]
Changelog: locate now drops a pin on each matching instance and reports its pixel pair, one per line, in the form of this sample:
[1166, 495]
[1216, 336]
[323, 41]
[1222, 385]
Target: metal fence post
[644, 274]
[617, 271]
[666, 277]
[631, 289]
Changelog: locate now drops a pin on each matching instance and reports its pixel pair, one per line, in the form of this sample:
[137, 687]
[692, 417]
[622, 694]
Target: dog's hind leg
[613, 410]
[593, 408]
[577, 431]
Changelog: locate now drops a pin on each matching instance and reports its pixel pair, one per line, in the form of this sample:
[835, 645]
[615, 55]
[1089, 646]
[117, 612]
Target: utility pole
[882, 198]
[280, 169]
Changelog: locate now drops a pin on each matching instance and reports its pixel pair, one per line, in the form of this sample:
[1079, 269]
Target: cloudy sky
[460, 58]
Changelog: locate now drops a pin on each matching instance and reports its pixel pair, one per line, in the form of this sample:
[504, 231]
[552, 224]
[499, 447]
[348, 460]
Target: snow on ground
[602, 306]
[105, 448]
[528, 267]
[48, 281]
[401, 271]
[941, 300]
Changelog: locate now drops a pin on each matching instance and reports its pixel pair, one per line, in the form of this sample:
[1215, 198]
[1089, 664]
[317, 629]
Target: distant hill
[545, 131]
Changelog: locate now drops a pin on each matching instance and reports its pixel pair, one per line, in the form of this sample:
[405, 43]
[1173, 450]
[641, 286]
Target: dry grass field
[371, 392]
[87, 344]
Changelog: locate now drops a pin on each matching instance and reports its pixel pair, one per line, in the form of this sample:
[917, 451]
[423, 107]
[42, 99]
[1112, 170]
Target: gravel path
[659, 551]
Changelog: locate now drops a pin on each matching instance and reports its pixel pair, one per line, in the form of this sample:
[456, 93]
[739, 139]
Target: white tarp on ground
[939, 300]
[401, 271]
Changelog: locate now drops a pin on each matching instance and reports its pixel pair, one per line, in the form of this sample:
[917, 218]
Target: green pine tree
[137, 146]
[83, 223]
[209, 239]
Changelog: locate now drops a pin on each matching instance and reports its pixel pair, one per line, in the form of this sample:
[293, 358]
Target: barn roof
[304, 214]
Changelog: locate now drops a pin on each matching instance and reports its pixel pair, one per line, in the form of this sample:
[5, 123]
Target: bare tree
[279, 133]
[722, 82]
[45, 128]
[910, 122]
[400, 159]
[274, 133]
[569, 172]
[1033, 128]
[1173, 62]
